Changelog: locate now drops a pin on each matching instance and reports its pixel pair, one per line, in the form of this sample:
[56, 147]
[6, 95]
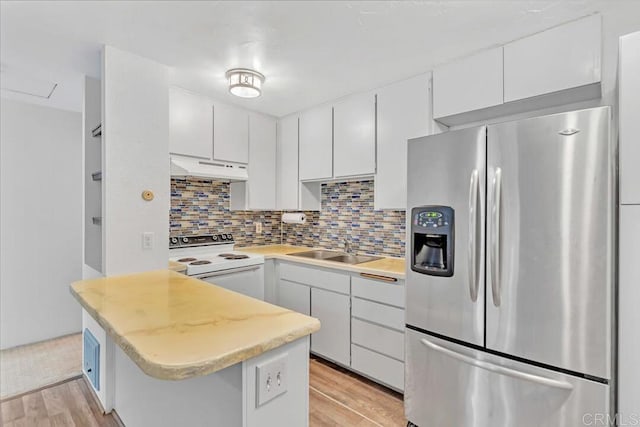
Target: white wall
[40, 222]
[135, 157]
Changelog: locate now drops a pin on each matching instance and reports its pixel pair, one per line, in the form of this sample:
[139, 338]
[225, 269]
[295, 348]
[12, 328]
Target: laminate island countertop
[176, 327]
[387, 266]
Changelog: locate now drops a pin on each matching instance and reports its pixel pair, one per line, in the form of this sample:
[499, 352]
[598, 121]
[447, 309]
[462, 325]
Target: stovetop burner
[186, 259]
[233, 256]
[200, 262]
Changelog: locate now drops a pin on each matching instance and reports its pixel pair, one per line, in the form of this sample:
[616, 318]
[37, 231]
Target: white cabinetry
[190, 124]
[294, 296]
[468, 84]
[316, 143]
[259, 192]
[287, 193]
[328, 301]
[377, 329]
[403, 113]
[333, 338]
[354, 126]
[629, 98]
[558, 66]
[361, 316]
[560, 58]
[230, 134]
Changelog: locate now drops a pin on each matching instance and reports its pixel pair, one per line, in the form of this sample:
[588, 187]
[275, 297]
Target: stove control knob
[214, 238]
[229, 237]
[224, 236]
[185, 240]
[174, 240]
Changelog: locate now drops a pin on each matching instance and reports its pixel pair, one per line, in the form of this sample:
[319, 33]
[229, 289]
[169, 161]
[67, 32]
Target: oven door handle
[226, 272]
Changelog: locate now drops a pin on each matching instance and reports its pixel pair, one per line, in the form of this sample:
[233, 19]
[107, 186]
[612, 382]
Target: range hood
[181, 166]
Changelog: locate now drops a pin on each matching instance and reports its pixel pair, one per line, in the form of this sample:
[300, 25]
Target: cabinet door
[190, 124]
[316, 143]
[563, 57]
[629, 88]
[469, 84]
[287, 193]
[333, 340]
[629, 295]
[354, 136]
[294, 296]
[230, 134]
[262, 162]
[403, 113]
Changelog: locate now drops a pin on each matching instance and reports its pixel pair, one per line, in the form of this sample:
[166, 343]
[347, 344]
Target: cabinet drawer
[378, 338]
[324, 279]
[378, 367]
[375, 290]
[378, 313]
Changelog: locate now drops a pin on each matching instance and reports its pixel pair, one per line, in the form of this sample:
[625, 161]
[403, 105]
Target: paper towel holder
[294, 218]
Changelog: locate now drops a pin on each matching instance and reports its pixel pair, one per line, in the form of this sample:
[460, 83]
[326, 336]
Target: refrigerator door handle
[473, 230]
[500, 370]
[495, 237]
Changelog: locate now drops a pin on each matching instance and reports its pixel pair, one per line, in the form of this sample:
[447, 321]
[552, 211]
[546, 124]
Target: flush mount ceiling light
[245, 83]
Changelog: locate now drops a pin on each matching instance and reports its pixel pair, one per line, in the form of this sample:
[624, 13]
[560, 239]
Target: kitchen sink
[317, 254]
[353, 259]
[334, 256]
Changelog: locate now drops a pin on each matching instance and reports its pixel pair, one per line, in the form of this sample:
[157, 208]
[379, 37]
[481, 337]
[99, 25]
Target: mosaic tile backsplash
[202, 206]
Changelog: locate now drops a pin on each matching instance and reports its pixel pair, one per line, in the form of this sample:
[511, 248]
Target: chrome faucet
[347, 245]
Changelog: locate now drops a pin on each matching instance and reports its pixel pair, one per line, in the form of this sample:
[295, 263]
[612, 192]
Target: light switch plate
[271, 379]
[147, 240]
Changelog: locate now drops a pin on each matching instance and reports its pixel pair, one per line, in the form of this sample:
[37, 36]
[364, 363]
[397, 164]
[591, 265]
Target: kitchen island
[179, 351]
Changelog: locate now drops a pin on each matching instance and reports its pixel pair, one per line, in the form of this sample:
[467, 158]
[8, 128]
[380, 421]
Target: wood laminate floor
[337, 397]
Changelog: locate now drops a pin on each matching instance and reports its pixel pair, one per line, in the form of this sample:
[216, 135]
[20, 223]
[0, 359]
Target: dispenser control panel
[431, 219]
[432, 240]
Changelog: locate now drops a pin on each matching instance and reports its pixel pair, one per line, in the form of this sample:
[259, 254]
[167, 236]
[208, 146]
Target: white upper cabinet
[629, 102]
[316, 143]
[262, 162]
[354, 136]
[287, 177]
[560, 58]
[230, 134]
[190, 124]
[468, 84]
[403, 113]
[259, 192]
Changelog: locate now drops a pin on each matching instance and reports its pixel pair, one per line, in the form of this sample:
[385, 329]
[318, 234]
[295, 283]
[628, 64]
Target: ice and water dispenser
[432, 240]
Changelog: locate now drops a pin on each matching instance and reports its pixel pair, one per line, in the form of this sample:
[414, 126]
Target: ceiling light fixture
[244, 82]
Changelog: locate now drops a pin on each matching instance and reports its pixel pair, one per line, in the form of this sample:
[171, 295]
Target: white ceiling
[310, 52]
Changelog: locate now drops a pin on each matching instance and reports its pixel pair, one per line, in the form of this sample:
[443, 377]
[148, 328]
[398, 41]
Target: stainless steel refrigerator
[510, 274]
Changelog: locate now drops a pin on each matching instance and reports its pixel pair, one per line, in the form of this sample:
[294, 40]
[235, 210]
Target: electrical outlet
[147, 240]
[272, 379]
[258, 228]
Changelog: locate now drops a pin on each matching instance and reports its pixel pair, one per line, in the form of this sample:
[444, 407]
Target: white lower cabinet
[361, 318]
[378, 367]
[294, 296]
[333, 339]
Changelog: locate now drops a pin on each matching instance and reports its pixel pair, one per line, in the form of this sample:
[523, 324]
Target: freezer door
[452, 385]
[550, 240]
[448, 170]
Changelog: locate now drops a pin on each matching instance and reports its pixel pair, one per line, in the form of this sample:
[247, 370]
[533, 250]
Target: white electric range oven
[212, 258]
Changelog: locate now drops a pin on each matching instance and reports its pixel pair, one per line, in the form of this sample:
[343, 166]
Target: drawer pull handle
[376, 277]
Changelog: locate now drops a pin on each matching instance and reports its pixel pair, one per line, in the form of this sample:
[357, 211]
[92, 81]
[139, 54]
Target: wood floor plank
[62, 419]
[12, 410]
[54, 401]
[325, 413]
[373, 401]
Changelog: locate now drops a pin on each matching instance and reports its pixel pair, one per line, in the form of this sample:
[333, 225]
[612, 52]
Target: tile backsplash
[201, 206]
